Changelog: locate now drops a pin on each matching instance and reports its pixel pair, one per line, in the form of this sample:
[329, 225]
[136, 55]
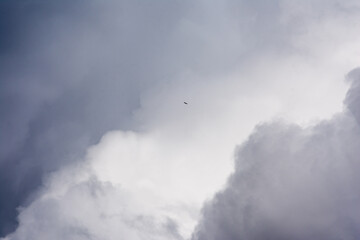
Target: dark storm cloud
[72, 70]
[68, 74]
[293, 183]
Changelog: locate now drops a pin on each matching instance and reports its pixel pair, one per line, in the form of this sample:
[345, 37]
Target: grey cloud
[73, 70]
[292, 183]
[68, 75]
[352, 98]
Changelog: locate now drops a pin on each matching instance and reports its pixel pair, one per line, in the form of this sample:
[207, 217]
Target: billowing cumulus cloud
[85, 208]
[292, 182]
[74, 70]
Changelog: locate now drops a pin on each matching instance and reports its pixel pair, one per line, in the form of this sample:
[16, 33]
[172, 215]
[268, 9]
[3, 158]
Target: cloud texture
[289, 182]
[75, 70]
[292, 182]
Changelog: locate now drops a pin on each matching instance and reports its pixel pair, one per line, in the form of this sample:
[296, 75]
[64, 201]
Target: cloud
[85, 208]
[76, 70]
[67, 78]
[292, 182]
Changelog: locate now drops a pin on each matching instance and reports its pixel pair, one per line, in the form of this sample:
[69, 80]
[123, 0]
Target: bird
[185, 103]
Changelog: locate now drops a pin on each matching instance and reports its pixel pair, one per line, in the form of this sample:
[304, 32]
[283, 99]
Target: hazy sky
[96, 142]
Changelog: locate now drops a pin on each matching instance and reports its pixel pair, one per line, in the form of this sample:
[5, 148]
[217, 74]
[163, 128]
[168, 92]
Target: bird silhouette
[185, 103]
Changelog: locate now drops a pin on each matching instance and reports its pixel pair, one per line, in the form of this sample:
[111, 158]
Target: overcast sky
[97, 143]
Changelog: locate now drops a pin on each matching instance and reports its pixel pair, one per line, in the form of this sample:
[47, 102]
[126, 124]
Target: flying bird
[185, 103]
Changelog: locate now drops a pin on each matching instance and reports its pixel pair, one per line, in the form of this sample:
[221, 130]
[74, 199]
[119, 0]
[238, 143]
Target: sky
[97, 143]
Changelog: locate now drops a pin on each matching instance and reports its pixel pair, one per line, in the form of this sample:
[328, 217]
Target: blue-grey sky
[96, 141]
